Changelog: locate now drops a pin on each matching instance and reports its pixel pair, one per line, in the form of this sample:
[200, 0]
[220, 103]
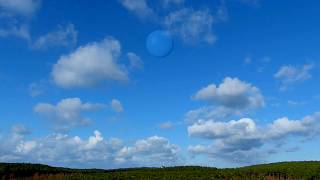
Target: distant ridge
[280, 170]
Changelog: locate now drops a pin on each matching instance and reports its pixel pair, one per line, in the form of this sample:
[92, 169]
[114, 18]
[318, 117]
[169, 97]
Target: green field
[284, 170]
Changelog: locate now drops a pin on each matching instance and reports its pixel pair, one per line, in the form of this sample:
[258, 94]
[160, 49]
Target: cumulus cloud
[288, 75]
[231, 97]
[67, 113]
[20, 7]
[238, 157]
[308, 126]
[244, 137]
[191, 25]
[89, 65]
[116, 106]
[138, 7]
[25, 147]
[95, 151]
[232, 93]
[215, 130]
[150, 151]
[62, 37]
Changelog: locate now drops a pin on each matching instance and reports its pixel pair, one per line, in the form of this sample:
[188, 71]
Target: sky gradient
[79, 88]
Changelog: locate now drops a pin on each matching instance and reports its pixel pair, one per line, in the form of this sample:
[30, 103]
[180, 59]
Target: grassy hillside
[284, 170]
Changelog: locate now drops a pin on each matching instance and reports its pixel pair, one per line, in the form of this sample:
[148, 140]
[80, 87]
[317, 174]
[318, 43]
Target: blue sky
[79, 88]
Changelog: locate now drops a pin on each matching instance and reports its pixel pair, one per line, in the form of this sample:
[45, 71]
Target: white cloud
[95, 151]
[89, 65]
[244, 137]
[62, 37]
[20, 7]
[191, 25]
[232, 93]
[135, 61]
[210, 112]
[116, 106]
[231, 97]
[288, 75]
[282, 127]
[138, 7]
[215, 130]
[151, 151]
[94, 140]
[67, 113]
[25, 147]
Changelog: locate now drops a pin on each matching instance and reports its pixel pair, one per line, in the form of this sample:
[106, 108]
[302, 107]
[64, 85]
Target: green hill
[283, 170]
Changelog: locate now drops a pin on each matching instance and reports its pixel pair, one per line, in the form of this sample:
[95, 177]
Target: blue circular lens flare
[159, 43]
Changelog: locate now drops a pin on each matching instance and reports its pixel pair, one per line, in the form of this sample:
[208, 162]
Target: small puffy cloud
[191, 25]
[232, 93]
[93, 140]
[151, 151]
[135, 61]
[62, 37]
[67, 113]
[231, 97]
[89, 65]
[288, 75]
[20, 7]
[138, 7]
[116, 106]
[308, 126]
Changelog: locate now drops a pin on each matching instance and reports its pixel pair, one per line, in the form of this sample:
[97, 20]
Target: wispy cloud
[290, 74]
[62, 37]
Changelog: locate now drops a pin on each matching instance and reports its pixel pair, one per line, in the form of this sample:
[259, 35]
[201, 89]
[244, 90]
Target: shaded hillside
[284, 170]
